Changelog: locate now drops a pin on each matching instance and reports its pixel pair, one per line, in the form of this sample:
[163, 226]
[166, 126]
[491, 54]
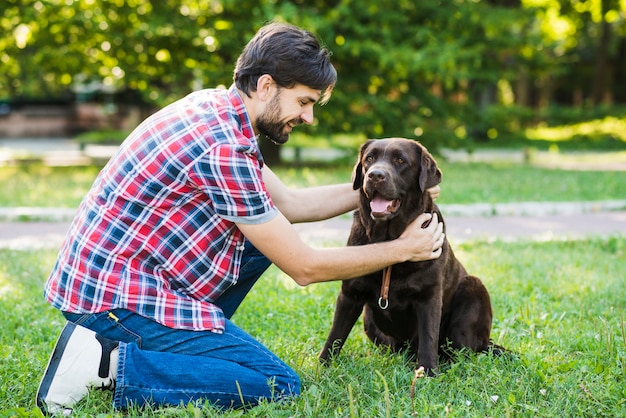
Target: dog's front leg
[429, 320]
[347, 312]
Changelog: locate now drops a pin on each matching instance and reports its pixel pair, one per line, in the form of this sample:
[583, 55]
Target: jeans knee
[288, 385]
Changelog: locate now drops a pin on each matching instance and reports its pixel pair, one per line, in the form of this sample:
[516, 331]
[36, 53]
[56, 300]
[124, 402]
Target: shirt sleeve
[230, 175]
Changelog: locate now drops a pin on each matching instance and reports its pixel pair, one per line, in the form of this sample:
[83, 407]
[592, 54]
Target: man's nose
[307, 116]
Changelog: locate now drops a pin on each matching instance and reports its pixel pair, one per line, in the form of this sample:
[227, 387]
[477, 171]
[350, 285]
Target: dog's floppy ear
[430, 175]
[357, 174]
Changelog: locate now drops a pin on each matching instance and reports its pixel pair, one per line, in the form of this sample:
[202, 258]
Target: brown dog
[430, 304]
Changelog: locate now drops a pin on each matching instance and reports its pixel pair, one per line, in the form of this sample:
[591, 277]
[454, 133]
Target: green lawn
[36, 185]
[494, 183]
[560, 305]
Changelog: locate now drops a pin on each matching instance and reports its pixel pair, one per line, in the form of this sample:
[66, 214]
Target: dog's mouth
[382, 207]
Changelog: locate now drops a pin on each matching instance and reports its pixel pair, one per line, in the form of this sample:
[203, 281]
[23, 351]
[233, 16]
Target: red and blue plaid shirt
[156, 233]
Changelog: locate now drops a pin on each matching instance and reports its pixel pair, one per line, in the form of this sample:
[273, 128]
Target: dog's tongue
[380, 205]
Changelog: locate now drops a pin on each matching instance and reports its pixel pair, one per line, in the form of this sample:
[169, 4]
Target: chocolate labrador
[425, 306]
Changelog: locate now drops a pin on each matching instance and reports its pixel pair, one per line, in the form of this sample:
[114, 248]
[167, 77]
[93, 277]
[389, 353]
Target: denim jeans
[164, 366]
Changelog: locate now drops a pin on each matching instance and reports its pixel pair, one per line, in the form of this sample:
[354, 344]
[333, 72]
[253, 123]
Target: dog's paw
[324, 361]
[499, 351]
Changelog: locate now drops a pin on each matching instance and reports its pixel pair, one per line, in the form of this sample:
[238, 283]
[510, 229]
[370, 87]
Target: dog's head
[393, 174]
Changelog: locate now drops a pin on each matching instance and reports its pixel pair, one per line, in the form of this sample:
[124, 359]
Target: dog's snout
[376, 175]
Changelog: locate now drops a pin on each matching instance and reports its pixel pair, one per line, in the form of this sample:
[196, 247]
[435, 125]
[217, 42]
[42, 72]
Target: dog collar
[383, 300]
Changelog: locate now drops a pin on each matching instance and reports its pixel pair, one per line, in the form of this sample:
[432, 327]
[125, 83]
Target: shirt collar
[237, 102]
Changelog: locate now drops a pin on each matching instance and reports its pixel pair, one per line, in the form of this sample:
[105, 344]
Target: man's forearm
[324, 202]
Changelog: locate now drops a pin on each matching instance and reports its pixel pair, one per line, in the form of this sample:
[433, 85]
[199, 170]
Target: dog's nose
[376, 175]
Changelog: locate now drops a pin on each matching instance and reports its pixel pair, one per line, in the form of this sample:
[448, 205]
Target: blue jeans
[165, 366]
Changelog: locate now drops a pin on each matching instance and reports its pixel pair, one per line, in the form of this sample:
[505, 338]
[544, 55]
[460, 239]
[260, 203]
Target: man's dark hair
[291, 55]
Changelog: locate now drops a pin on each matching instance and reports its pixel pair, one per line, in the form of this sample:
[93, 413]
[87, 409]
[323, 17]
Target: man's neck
[250, 103]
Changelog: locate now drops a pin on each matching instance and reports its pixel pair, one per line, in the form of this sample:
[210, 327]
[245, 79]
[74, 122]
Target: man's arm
[315, 203]
[312, 203]
[278, 241]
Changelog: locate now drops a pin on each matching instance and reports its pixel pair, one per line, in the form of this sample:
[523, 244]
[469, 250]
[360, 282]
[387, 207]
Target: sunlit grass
[615, 160]
[41, 186]
[607, 127]
[560, 305]
[505, 183]
[465, 183]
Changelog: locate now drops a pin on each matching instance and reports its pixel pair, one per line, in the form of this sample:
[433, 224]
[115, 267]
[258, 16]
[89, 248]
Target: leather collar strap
[383, 300]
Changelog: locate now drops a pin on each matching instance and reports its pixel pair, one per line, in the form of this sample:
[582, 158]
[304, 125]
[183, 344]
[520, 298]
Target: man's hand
[434, 192]
[426, 242]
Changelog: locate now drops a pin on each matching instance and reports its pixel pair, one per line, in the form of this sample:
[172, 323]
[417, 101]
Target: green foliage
[405, 74]
[159, 48]
[607, 133]
[430, 70]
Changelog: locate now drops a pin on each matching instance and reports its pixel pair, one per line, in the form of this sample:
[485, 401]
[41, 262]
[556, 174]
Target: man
[180, 224]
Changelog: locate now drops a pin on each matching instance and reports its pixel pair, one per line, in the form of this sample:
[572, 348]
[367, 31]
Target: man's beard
[270, 125]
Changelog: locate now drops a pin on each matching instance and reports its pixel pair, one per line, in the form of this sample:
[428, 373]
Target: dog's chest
[407, 285]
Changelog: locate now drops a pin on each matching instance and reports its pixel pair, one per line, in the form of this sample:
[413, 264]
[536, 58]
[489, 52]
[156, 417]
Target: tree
[432, 70]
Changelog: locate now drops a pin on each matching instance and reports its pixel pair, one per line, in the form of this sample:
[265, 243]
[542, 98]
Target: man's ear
[357, 173]
[430, 175]
[264, 86]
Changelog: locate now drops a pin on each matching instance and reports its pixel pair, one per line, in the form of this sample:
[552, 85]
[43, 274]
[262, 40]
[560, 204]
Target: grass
[42, 186]
[559, 304]
[493, 182]
[595, 130]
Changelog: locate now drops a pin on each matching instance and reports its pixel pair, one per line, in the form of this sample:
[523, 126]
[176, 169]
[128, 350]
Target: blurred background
[454, 74]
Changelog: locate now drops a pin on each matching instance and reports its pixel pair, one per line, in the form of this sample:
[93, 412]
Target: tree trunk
[600, 69]
[522, 89]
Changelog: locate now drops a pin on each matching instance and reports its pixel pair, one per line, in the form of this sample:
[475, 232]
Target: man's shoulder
[219, 97]
[221, 106]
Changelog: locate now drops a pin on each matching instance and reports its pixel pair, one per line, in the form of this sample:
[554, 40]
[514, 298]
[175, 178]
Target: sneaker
[81, 360]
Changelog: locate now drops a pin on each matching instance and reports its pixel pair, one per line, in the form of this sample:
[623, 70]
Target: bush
[103, 137]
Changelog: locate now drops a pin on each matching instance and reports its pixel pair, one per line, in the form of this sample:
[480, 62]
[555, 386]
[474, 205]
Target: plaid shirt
[156, 233]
